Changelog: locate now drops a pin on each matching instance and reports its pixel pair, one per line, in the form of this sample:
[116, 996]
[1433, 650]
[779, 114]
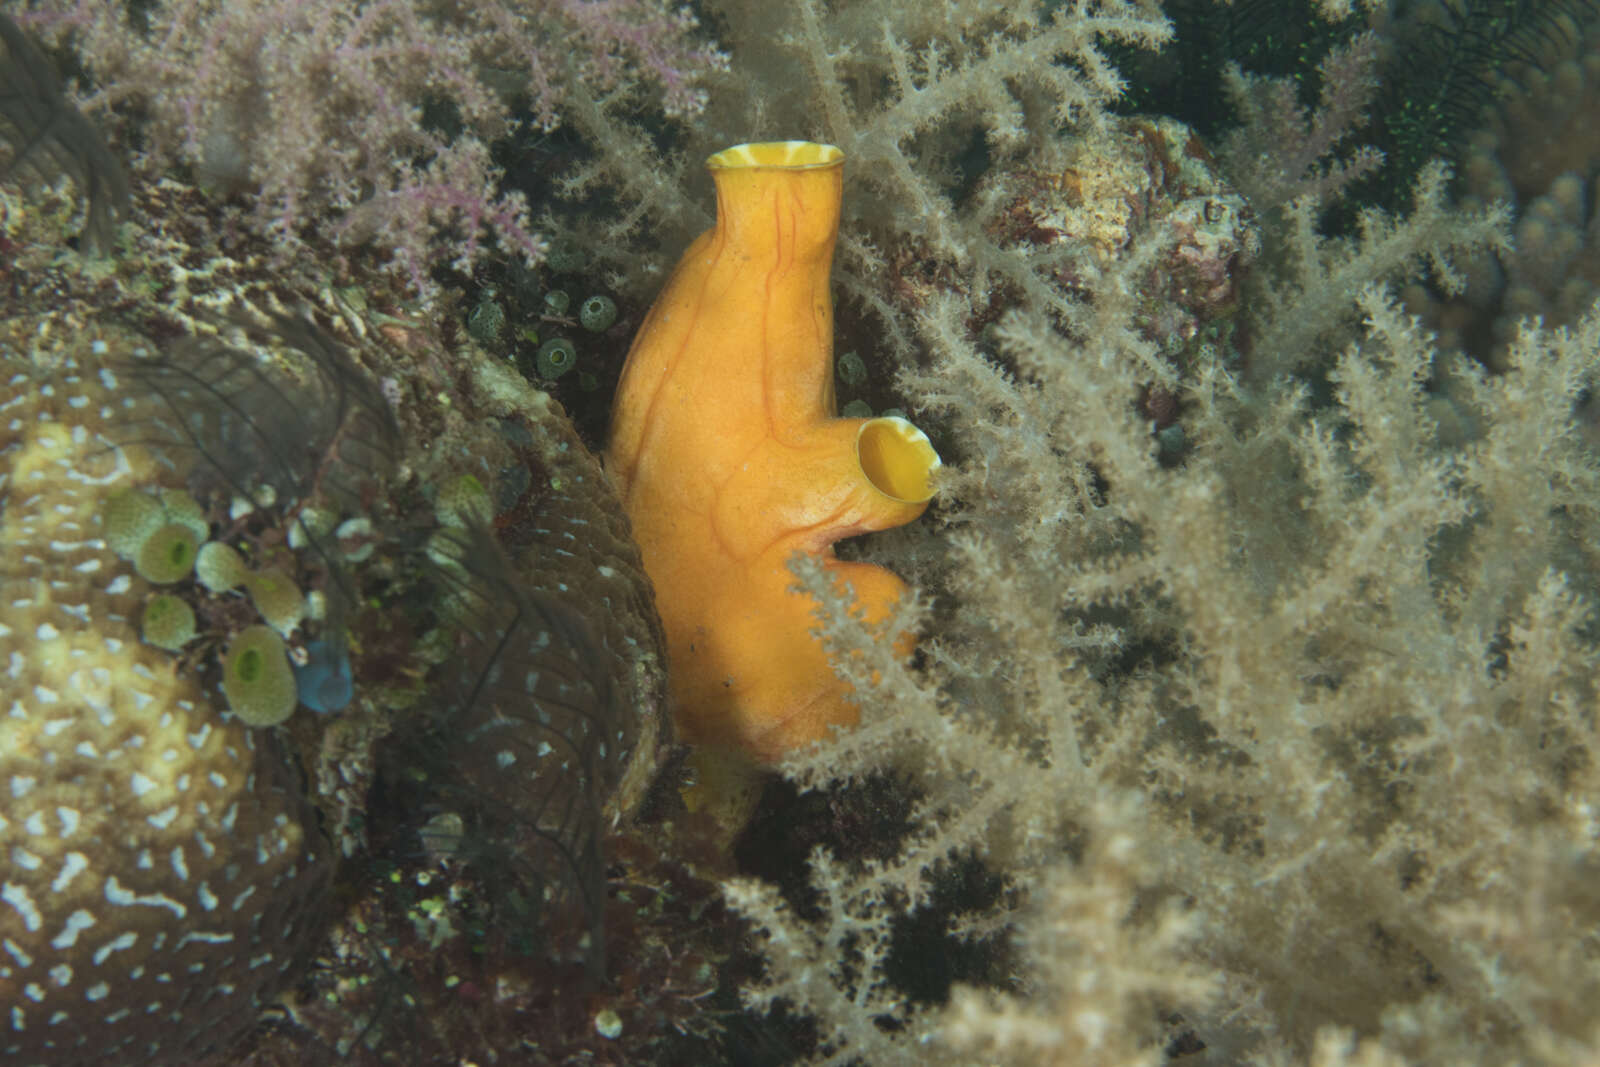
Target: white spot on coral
[127, 898]
[17, 896]
[25, 859]
[16, 952]
[77, 922]
[140, 784]
[75, 864]
[98, 991]
[204, 937]
[69, 820]
[162, 819]
[46, 632]
[22, 784]
[116, 944]
[179, 866]
[208, 899]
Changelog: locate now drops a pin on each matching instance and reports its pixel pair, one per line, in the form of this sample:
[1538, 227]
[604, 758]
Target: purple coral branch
[315, 107]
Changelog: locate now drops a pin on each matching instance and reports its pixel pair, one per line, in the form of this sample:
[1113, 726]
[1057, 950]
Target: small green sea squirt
[257, 678]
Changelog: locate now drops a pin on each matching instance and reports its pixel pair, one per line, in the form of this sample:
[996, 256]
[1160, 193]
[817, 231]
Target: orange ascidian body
[729, 458]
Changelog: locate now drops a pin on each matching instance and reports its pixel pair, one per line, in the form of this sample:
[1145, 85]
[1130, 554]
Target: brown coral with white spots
[162, 870]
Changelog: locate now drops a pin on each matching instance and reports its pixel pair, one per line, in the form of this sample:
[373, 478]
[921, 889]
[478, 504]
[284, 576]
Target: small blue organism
[324, 682]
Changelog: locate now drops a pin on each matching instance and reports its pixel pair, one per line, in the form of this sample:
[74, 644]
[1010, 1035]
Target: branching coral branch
[1280, 152]
[1310, 295]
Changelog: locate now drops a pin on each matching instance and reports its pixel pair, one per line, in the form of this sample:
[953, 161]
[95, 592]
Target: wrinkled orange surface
[730, 459]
